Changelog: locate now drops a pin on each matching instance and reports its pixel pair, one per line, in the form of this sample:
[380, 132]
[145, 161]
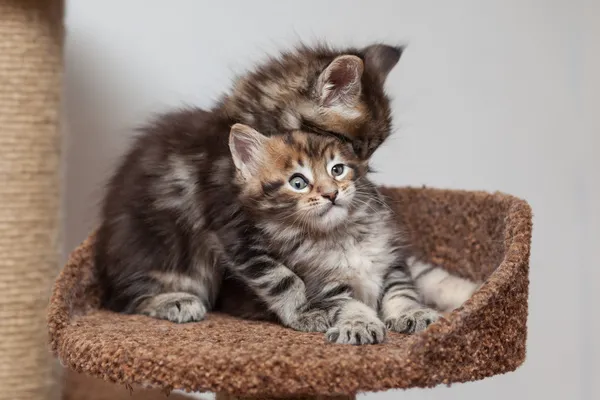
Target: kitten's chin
[332, 218]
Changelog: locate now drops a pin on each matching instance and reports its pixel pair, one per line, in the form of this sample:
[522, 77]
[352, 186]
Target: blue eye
[298, 182]
[337, 169]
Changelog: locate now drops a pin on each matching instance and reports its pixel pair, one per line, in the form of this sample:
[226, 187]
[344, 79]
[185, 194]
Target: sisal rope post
[30, 72]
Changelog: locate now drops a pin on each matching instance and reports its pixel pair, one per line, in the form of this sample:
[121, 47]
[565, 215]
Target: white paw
[412, 321]
[312, 321]
[358, 331]
[175, 307]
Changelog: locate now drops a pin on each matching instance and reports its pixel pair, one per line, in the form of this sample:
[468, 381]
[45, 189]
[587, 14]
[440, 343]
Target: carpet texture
[30, 82]
[474, 234]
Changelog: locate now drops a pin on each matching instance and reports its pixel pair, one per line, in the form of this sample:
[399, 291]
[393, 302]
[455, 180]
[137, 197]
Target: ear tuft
[246, 145]
[380, 59]
[340, 82]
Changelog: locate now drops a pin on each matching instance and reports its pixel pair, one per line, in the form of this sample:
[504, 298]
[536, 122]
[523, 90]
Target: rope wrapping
[31, 36]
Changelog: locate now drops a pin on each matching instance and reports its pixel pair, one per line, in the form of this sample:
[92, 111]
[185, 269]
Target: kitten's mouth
[328, 208]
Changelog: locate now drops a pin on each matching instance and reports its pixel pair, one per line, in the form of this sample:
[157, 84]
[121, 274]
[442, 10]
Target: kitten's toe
[357, 332]
[175, 307]
[412, 321]
[312, 321]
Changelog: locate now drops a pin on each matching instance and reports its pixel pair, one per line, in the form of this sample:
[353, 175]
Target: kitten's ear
[247, 146]
[380, 59]
[340, 82]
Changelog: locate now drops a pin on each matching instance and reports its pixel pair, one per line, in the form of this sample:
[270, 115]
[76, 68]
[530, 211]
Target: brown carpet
[477, 235]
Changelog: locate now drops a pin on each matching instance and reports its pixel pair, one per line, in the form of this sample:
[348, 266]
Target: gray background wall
[495, 95]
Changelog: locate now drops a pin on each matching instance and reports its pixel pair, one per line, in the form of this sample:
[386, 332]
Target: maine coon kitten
[318, 89]
[149, 252]
[337, 92]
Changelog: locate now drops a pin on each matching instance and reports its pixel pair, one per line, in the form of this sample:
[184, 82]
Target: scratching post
[30, 71]
[480, 236]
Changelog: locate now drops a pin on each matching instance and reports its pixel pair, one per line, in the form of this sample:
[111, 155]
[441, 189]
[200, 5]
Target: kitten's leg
[281, 289]
[439, 288]
[401, 306]
[132, 284]
[332, 305]
[351, 321]
[181, 297]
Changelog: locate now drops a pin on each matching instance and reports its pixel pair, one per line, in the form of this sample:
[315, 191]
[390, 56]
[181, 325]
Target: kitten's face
[299, 178]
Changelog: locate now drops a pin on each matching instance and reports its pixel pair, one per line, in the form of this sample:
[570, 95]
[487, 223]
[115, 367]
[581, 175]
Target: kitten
[157, 250]
[337, 92]
[153, 194]
[340, 93]
[328, 252]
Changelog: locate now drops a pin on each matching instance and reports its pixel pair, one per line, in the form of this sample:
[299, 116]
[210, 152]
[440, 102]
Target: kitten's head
[298, 178]
[322, 90]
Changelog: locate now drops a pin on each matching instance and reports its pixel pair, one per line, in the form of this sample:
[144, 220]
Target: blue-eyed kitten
[336, 260]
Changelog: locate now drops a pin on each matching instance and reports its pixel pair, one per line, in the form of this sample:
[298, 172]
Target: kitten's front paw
[412, 321]
[312, 321]
[358, 331]
[175, 307]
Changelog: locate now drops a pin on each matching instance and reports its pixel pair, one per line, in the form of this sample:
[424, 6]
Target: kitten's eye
[298, 182]
[337, 169]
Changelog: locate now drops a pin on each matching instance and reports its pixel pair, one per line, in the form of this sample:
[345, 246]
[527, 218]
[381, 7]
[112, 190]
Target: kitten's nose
[330, 195]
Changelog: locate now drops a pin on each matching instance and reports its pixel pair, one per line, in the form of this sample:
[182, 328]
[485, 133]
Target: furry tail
[439, 288]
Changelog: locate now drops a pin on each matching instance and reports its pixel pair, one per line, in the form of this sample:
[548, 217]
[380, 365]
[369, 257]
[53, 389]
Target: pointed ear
[340, 82]
[380, 59]
[247, 147]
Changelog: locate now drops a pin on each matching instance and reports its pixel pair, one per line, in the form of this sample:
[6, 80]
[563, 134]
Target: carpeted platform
[477, 235]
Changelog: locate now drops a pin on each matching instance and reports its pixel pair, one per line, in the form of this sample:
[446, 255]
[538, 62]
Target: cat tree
[476, 235]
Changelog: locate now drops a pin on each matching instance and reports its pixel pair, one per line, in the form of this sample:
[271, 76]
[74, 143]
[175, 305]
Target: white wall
[494, 96]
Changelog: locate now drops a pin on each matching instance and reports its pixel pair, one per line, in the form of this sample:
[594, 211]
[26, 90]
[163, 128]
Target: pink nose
[330, 195]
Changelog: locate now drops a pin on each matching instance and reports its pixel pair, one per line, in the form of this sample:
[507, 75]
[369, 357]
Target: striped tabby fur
[194, 221]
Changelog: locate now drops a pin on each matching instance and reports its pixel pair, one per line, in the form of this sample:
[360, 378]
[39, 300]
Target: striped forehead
[308, 146]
